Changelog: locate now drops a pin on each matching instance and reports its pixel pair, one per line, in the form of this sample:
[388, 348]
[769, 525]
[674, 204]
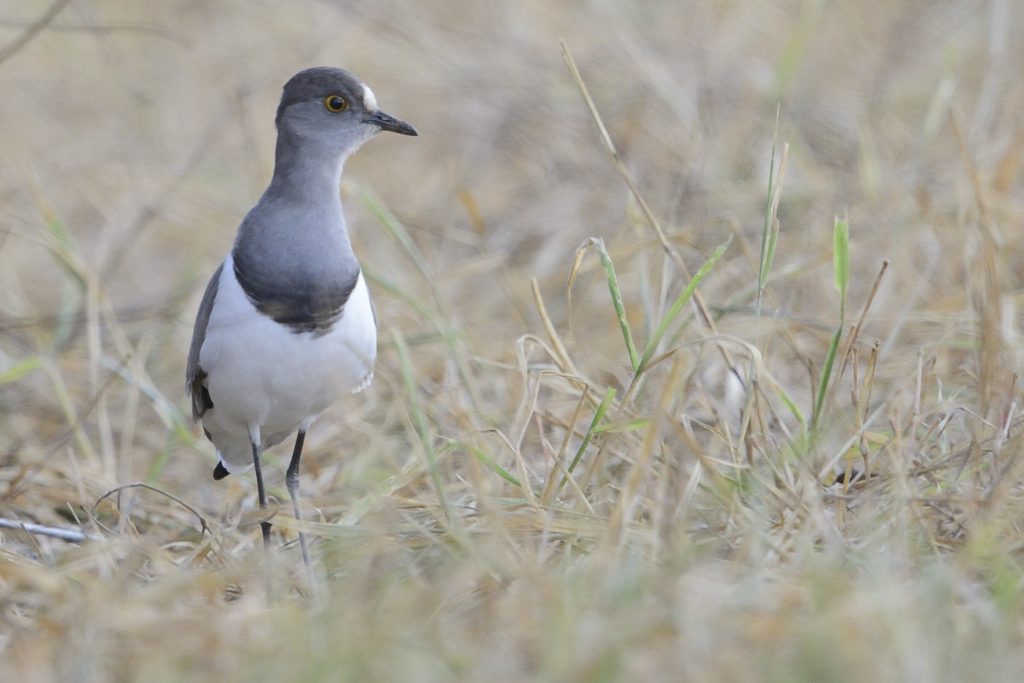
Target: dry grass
[702, 533]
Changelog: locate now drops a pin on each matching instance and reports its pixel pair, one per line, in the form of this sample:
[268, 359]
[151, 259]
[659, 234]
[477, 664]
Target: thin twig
[855, 333]
[140, 485]
[69, 535]
[32, 30]
[137, 29]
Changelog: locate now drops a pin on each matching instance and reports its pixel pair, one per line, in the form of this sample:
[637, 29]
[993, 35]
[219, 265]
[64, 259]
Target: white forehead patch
[369, 101]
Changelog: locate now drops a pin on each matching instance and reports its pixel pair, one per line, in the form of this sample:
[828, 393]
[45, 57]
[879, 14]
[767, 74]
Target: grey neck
[305, 172]
[292, 256]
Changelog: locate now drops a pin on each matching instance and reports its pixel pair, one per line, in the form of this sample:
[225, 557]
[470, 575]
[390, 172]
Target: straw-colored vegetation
[709, 374]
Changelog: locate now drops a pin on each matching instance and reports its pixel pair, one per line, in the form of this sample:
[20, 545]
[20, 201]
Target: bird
[286, 326]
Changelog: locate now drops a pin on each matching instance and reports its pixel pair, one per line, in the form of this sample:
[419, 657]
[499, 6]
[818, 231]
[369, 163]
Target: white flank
[263, 375]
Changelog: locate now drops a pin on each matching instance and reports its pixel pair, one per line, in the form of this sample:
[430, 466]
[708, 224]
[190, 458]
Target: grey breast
[301, 284]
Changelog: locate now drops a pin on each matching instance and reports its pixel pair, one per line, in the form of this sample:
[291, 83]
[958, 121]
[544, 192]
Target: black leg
[291, 481]
[265, 526]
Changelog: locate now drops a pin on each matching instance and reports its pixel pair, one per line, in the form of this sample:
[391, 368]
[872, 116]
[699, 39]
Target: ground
[699, 342]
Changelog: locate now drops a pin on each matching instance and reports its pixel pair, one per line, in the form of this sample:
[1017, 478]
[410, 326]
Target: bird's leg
[291, 480]
[262, 491]
[254, 440]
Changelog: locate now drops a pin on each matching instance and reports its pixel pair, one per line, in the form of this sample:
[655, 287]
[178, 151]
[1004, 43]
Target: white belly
[262, 375]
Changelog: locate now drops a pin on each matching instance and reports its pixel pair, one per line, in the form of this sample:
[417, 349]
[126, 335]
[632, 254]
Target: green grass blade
[487, 462]
[620, 308]
[20, 369]
[377, 280]
[841, 278]
[609, 396]
[771, 239]
[634, 425]
[841, 256]
[768, 235]
[613, 288]
[677, 305]
[395, 227]
[794, 53]
[790, 404]
[826, 374]
[419, 419]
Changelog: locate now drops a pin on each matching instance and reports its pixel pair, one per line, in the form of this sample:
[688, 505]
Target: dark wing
[195, 375]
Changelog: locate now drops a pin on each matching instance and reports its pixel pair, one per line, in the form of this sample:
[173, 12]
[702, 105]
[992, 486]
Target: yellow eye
[335, 103]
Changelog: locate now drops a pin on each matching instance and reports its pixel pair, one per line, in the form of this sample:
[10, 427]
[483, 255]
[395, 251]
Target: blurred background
[135, 136]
